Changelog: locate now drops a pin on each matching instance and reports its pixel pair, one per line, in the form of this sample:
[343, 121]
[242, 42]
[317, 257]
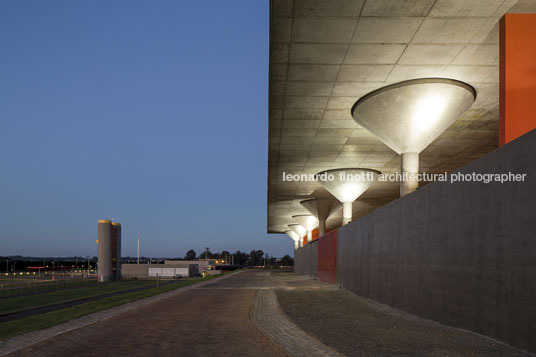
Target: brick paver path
[199, 322]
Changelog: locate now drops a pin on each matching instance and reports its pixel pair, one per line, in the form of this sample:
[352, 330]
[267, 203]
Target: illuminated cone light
[294, 236]
[408, 116]
[309, 222]
[300, 231]
[347, 185]
[322, 209]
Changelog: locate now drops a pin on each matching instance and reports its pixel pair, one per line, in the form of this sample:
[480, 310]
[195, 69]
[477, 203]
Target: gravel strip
[270, 320]
[356, 326]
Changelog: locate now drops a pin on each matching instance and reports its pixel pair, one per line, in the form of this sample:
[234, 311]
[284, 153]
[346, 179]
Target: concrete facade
[459, 253]
[463, 253]
[306, 260]
[325, 55]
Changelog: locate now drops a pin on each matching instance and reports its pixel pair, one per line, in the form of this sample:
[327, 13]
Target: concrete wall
[463, 254]
[204, 265]
[306, 260]
[135, 270]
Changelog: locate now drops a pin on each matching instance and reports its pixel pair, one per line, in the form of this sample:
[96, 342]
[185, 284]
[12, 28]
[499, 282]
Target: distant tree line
[254, 258]
[18, 263]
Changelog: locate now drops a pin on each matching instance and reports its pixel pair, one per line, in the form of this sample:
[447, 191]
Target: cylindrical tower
[116, 250]
[105, 253]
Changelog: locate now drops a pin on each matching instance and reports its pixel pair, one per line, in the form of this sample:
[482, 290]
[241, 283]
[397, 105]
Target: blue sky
[152, 112]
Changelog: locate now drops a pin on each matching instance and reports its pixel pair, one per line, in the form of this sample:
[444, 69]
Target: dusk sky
[152, 112]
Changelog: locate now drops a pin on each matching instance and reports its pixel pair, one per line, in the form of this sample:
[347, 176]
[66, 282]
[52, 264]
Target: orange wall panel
[314, 236]
[327, 257]
[517, 59]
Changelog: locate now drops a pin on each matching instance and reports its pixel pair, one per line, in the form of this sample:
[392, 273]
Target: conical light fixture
[294, 236]
[347, 185]
[300, 231]
[321, 208]
[309, 222]
[409, 115]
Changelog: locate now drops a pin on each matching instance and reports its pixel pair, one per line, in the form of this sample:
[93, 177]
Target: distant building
[204, 265]
[189, 269]
[109, 240]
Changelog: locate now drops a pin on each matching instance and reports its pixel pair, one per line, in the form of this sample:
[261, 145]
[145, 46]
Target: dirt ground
[359, 327]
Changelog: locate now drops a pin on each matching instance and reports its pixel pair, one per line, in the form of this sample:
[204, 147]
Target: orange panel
[517, 76]
[327, 257]
[313, 237]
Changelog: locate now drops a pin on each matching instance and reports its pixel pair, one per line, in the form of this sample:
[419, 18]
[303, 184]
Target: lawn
[31, 286]
[38, 322]
[31, 301]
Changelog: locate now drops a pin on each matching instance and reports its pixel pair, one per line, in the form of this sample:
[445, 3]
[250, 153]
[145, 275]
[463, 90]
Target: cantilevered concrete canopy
[325, 55]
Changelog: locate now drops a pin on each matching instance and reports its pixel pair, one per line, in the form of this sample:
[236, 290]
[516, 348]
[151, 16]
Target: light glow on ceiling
[298, 228]
[428, 111]
[348, 184]
[293, 235]
[308, 221]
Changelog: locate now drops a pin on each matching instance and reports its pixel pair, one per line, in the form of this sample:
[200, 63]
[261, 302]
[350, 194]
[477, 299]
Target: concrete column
[321, 227]
[321, 208]
[309, 236]
[301, 241]
[346, 212]
[409, 166]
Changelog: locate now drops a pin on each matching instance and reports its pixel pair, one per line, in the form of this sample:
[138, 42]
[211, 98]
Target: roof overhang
[325, 55]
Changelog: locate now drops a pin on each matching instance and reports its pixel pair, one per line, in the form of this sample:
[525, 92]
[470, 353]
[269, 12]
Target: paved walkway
[204, 320]
[195, 322]
[240, 315]
[22, 341]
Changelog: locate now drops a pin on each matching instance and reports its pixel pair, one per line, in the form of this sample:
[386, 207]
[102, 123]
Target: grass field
[31, 301]
[38, 322]
[28, 287]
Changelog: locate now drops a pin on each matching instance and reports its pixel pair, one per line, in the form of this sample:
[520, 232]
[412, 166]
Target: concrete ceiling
[325, 55]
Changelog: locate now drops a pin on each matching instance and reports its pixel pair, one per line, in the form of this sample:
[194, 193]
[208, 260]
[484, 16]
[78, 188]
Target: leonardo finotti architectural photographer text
[427, 177]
